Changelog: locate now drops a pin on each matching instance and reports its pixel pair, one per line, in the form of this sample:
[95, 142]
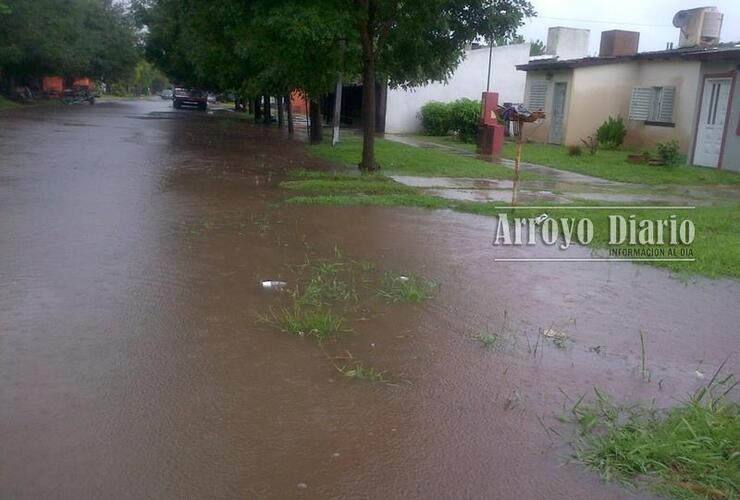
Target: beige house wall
[597, 92]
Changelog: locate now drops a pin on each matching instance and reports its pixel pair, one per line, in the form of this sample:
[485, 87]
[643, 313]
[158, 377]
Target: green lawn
[7, 103]
[396, 158]
[605, 164]
[716, 246]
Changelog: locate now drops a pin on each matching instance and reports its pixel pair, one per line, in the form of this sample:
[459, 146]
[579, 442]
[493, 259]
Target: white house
[469, 80]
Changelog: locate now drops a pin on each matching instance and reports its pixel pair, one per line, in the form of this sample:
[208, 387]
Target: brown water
[131, 366]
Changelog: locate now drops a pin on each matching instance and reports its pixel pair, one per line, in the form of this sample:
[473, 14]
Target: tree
[536, 48]
[276, 46]
[93, 38]
[412, 42]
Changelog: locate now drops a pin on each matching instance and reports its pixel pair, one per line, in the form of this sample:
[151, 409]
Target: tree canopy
[274, 46]
[93, 38]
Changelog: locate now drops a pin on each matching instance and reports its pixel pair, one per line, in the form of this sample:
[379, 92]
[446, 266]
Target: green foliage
[406, 288]
[537, 48]
[670, 153]
[319, 323]
[689, 451]
[487, 340]
[83, 38]
[464, 118]
[610, 134]
[574, 150]
[435, 118]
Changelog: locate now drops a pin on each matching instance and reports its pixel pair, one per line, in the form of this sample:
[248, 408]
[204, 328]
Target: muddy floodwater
[133, 239]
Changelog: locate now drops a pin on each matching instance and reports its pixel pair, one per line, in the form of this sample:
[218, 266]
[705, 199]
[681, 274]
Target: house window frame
[655, 107]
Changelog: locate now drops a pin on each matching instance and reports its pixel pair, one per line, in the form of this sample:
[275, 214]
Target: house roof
[727, 51]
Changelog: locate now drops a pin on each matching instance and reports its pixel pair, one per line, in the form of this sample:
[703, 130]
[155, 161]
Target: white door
[711, 126]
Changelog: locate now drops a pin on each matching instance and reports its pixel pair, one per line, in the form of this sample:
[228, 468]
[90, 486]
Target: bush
[435, 118]
[669, 153]
[464, 118]
[574, 150]
[610, 134]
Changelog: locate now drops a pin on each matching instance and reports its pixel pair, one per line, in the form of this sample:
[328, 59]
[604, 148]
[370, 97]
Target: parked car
[166, 94]
[190, 97]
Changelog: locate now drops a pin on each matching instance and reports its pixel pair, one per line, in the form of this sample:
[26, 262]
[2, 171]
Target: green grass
[689, 451]
[371, 185]
[327, 283]
[8, 104]
[612, 165]
[397, 158]
[411, 288]
[319, 323]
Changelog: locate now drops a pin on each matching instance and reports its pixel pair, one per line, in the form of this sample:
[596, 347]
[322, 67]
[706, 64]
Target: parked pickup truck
[190, 97]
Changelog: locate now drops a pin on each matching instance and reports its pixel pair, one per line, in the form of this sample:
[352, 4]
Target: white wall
[468, 80]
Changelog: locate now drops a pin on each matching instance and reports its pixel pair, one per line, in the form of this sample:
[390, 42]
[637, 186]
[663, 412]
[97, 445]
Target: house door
[711, 125]
[558, 113]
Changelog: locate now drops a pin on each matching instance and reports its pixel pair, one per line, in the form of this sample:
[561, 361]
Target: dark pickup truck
[190, 97]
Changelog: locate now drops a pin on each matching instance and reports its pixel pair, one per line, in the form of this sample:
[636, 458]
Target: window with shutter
[537, 95]
[641, 103]
[665, 109]
[653, 104]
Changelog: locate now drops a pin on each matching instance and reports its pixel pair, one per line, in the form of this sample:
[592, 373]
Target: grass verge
[689, 451]
[612, 165]
[397, 158]
[321, 324]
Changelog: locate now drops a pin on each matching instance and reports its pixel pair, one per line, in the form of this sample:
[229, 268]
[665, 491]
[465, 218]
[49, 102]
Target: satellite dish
[681, 18]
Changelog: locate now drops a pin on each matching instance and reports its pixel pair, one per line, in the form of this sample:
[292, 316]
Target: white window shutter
[537, 95]
[641, 103]
[665, 113]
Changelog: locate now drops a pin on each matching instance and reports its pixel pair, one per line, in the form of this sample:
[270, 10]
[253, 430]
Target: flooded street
[133, 239]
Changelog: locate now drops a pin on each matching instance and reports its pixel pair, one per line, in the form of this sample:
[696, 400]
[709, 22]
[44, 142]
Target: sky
[652, 18]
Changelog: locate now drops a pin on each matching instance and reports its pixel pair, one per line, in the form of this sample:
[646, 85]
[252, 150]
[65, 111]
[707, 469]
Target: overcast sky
[652, 18]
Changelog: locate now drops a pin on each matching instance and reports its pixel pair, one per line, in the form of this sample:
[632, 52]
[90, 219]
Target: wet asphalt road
[133, 239]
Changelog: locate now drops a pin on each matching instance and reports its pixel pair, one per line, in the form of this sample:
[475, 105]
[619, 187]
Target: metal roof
[728, 51]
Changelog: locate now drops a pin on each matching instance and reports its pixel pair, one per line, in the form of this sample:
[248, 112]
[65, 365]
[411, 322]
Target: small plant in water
[487, 339]
[318, 323]
[358, 371]
[409, 288]
[327, 283]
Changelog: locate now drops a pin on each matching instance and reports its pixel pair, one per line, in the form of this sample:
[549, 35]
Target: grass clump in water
[327, 282]
[359, 372]
[321, 324]
[487, 340]
[690, 451]
[410, 288]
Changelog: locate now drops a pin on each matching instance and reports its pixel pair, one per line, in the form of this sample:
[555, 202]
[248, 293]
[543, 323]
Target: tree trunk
[289, 105]
[267, 115]
[368, 92]
[281, 121]
[317, 133]
[257, 110]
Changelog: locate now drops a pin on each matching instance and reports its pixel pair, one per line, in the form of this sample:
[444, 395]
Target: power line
[595, 21]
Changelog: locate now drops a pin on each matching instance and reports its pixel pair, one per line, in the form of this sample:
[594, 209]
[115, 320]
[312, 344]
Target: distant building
[687, 93]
